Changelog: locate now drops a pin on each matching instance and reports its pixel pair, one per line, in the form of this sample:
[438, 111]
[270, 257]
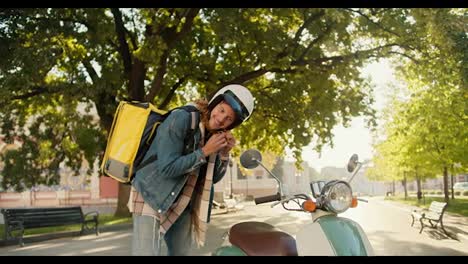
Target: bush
[457, 192]
[439, 192]
[465, 193]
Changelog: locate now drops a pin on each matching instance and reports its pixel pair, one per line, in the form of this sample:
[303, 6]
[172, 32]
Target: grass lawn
[457, 206]
[104, 220]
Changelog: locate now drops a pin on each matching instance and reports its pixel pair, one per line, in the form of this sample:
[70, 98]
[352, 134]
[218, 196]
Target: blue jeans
[146, 236]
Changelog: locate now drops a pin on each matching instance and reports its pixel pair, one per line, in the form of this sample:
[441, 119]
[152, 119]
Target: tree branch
[115, 46]
[123, 45]
[103, 101]
[405, 55]
[170, 36]
[137, 80]
[239, 56]
[255, 74]
[315, 41]
[295, 41]
[306, 23]
[133, 35]
[34, 92]
[190, 16]
[48, 20]
[91, 71]
[132, 38]
[172, 92]
[267, 95]
[279, 70]
[156, 86]
[342, 57]
[373, 22]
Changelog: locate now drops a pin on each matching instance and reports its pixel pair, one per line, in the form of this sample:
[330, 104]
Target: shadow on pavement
[386, 242]
[108, 243]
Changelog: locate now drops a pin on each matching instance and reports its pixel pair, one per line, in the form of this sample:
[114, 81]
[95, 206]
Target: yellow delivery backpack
[132, 132]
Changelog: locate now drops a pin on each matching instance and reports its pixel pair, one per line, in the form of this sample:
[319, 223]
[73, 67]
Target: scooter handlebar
[360, 199]
[267, 199]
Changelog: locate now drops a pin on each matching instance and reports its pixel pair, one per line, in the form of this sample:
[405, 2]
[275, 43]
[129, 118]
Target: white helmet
[239, 98]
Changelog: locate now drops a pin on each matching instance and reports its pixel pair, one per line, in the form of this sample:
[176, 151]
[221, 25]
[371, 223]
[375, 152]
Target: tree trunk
[418, 184]
[451, 185]
[453, 194]
[393, 188]
[136, 85]
[403, 182]
[124, 194]
[446, 185]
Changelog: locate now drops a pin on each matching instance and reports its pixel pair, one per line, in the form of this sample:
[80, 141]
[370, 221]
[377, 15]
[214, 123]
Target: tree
[439, 80]
[428, 128]
[302, 66]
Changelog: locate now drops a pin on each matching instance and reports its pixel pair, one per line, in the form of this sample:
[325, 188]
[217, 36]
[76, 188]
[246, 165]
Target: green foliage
[426, 127]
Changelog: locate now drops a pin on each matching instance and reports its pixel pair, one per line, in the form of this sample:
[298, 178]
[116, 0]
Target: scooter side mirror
[250, 159]
[352, 163]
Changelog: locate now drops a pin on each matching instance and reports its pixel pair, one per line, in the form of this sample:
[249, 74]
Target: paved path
[387, 225]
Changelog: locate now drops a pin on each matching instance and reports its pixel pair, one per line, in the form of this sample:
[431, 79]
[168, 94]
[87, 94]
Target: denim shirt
[161, 181]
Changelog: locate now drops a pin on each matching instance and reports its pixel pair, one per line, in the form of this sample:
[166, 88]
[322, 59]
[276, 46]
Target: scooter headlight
[338, 196]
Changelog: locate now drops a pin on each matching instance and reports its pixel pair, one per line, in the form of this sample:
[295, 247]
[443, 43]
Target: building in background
[261, 183]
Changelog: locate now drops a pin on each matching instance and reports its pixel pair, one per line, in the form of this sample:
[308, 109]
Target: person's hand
[215, 144]
[231, 142]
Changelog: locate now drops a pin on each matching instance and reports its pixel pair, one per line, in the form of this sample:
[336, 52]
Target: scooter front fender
[333, 236]
[229, 251]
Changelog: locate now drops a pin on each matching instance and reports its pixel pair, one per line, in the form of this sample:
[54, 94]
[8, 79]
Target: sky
[356, 138]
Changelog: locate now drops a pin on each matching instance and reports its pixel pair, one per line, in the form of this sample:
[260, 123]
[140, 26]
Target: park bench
[19, 219]
[433, 215]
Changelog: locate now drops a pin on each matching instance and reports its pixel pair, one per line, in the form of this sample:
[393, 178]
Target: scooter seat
[262, 239]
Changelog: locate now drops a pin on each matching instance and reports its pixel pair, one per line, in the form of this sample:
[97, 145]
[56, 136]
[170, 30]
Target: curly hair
[202, 105]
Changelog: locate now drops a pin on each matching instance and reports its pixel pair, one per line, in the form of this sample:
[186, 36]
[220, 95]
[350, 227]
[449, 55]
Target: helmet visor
[241, 111]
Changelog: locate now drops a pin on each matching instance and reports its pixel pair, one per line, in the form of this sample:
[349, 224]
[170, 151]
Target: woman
[172, 196]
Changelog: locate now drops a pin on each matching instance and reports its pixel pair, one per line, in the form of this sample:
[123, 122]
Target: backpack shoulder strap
[195, 115]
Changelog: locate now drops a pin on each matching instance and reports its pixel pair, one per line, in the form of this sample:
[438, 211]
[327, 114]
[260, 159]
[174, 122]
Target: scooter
[326, 235]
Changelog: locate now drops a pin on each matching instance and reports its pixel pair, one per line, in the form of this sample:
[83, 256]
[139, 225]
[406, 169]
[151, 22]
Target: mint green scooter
[326, 235]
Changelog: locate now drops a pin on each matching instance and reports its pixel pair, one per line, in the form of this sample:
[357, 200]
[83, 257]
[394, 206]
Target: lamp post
[230, 172]
[246, 187]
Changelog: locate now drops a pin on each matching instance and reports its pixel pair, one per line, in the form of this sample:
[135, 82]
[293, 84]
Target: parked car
[460, 186]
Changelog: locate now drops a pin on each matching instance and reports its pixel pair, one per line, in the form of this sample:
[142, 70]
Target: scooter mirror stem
[359, 165]
[274, 176]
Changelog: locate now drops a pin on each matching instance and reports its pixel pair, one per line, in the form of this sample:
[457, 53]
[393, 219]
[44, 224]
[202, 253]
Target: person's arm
[170, 146]
[222, 159]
